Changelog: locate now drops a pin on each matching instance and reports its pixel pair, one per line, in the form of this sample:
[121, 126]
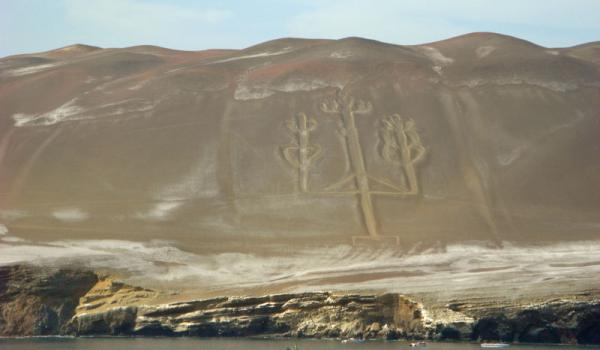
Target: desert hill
[294, 143]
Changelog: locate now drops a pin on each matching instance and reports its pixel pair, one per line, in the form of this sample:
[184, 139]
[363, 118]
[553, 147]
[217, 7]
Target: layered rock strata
[43, 301]
[35, 301]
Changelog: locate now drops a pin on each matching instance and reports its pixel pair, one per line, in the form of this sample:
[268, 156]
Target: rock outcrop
[324, 314]
[331, 315]
[40, 301]
[44, 301]
[558, 321]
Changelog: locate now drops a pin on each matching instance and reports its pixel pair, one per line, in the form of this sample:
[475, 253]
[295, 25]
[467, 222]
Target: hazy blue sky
[37, 25]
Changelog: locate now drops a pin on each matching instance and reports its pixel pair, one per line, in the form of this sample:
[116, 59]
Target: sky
[38, 25]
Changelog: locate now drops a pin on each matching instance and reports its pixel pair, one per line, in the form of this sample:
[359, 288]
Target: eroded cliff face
[332, 315]
[38, 301]
[297, 315]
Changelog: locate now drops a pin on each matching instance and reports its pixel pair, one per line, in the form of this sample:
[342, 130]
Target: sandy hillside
[308, 164]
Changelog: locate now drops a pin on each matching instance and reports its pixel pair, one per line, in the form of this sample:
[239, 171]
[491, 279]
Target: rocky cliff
[289, 315]
[41, 301]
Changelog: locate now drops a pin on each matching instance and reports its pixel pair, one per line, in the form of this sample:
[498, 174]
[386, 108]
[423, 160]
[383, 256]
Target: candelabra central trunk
[360, 172]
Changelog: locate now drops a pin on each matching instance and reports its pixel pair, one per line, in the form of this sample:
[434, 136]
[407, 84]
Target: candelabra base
[357, 240]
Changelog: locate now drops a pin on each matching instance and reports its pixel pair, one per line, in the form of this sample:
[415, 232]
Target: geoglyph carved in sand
[402, 145]
[300, 154]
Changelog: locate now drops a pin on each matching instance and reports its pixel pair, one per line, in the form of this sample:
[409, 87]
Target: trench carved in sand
[300, 154]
